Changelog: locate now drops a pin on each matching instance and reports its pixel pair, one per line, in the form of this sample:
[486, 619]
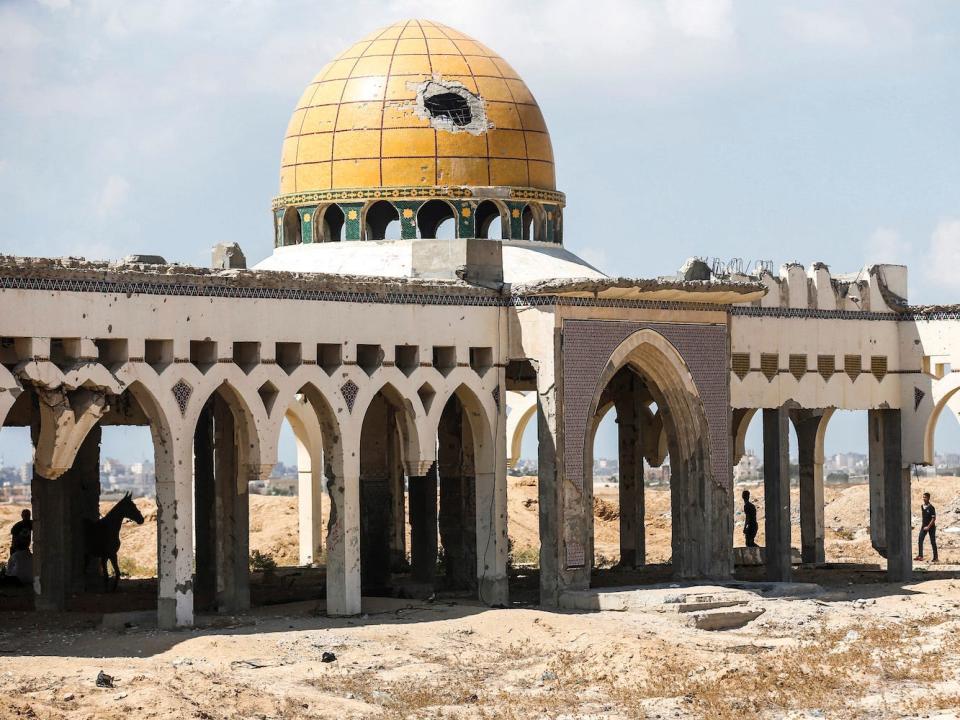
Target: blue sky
[793, 130]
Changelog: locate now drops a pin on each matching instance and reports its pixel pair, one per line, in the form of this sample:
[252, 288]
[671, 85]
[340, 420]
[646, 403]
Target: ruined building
[409, 365]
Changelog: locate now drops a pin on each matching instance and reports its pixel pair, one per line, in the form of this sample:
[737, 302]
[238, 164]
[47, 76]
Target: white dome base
[524, 261]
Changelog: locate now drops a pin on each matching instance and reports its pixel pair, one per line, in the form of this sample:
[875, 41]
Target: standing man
[928, 526]
[750, 525]
[21, 533]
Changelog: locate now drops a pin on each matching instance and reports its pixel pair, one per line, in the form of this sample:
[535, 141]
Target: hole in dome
[449, 105]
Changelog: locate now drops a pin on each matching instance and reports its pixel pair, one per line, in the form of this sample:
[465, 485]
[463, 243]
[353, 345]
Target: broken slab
[723, 619]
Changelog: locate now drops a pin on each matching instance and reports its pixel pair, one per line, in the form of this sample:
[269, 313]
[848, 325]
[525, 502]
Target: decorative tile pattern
[363, 121]
[740, 364]
[826, 366]
[411, 193]
[496, 396]
[769, 365]
[878, 366]
[224, 287]
[798, 365]
[918, 396]
[349, 391]
[587, 346]
[181, 393]
[576, 555]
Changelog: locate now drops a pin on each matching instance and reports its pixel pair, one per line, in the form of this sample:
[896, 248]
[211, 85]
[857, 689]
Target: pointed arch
[651, 356]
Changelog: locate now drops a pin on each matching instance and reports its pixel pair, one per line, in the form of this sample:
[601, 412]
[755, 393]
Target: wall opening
[382, 222]
[291, 227]
[332, 227]
[383, 535]
[434, 216]
[487, 218]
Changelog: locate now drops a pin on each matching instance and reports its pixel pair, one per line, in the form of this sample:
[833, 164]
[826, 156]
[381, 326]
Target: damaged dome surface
[416, 104]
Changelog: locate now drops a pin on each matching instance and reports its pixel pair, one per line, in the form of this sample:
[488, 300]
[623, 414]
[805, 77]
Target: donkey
[103, 536]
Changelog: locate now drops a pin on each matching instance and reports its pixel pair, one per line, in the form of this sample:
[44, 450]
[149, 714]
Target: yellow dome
[416, 104]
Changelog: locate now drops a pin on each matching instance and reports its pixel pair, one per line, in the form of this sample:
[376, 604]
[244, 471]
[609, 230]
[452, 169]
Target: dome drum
[420, 218]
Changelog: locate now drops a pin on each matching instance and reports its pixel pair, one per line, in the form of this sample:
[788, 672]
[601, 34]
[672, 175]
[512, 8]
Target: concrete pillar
[375, 496]
[81, 483]
[776, 485]
[630, 445]
[396, 482]
[423, 525]
[885, 425]
[204, 493]
[232, 511]
[457, 515]
[809, 426]
[61, 509]
[549, 468]
[493, 587]
[50, 542]
[174, 471]
[875, 463]
[310, 498]
[309, 438]
[343, 538]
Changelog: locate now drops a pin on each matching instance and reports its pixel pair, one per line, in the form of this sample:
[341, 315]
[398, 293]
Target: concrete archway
[666, 376]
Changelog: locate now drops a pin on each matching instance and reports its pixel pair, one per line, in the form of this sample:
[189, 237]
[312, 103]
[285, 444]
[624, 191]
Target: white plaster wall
[813, 337]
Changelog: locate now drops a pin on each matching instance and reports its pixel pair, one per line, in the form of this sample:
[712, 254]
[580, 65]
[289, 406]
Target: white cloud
[885, 246]
[942, 263]
[851, 27]
[710, 19]
[55, 4]
[112, 195]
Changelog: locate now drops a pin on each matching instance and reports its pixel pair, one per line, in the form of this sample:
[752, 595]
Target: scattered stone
[328, 657]
[68, 697]
[104, 680]
[548, 675]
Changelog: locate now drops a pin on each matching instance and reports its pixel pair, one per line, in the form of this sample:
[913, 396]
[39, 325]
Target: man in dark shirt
[21, 533]
[928, 526]
[750, 526]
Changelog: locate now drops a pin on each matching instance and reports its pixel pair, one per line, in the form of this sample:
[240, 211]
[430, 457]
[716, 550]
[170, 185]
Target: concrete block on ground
[723, 619]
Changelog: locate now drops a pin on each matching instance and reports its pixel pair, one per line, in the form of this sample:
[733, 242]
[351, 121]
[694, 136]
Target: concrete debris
[723, 619]
[104, 680]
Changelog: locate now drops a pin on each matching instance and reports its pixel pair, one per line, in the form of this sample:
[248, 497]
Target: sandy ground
[888, 653]
[842, 650]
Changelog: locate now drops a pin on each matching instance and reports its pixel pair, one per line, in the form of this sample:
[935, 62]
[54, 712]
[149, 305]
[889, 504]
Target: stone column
[205, 583]
[553, 555]
[81, 483]
[457, 516]
[875, 453]
[174, 530]
[61, 509]
[396, 482]
[232, 510]
[808, 424]
[896, 495]
[310, 499]
[776, 485]
[491, 511]
[423, 525]
[630, 419]
[375, 496]
[343, 537]
[50, 542]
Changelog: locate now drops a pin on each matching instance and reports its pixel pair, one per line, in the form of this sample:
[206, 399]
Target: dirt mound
[605, 510]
